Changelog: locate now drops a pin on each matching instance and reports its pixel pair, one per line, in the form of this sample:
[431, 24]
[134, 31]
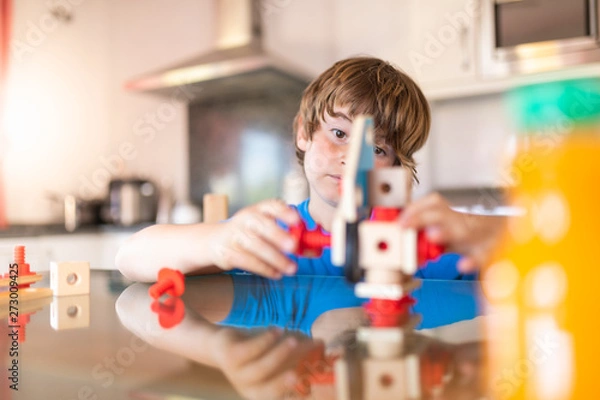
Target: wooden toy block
[70, 312]
[389, 187]
[21, 280]
[214, 208]
[70, 278]
[385, 245]
[380, 245]
[386, 291]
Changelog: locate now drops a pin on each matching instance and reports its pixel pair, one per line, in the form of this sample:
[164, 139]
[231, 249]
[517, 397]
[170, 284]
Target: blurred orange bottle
[541, 288]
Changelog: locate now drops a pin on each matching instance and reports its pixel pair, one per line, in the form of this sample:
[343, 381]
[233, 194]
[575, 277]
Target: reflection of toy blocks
[389, 373]
[70, 278]
[70, 312]
[389, 313]
[30, 300]
[389, 187]
[396, 378]
[385, 245]
[170, 312]
[382, 379]
[380, 366]
[379, 339]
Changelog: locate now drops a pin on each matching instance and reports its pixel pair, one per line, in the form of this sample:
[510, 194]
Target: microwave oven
[530, 36]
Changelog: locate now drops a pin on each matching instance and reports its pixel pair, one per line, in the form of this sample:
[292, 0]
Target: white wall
[470, 142]
[58, 104]
[146, 36]
[72, 126]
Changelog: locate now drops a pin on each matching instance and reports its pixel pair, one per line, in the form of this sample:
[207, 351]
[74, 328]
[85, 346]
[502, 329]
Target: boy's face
[325, 155]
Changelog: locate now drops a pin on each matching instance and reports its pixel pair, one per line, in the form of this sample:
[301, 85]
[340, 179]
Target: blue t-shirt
[445, 267]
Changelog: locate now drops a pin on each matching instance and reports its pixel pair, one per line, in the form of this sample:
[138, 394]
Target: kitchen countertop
[59, 229]
[218, 342]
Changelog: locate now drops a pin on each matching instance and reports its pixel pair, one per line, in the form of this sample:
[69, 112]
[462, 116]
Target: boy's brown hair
[370, 86]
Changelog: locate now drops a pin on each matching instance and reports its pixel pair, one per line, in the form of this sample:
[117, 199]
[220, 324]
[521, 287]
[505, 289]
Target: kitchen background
[71, 126]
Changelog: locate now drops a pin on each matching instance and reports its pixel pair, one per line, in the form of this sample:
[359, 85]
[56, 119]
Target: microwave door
[525, 22]
[528, 36]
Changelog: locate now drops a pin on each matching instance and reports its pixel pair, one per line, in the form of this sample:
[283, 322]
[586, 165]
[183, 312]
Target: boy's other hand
[251, 240]
[472, 236]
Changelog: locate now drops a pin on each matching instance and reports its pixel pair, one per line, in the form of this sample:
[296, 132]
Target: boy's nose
[342, 157]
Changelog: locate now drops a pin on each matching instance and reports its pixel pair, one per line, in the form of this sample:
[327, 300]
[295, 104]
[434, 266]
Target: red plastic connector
[170, 282]
[309, 243]
[170, 312]
[23, 268]
[385, 214]
[436, 361]
[389, 313]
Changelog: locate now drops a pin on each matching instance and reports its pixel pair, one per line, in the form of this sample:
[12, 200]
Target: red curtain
[5, 30]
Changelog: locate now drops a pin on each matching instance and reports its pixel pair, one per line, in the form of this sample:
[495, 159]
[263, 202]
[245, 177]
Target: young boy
[254, 240]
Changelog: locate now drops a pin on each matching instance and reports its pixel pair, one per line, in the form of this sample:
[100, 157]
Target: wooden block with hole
[70, 312]
[389, 187]
[70, 278]
[214, 208]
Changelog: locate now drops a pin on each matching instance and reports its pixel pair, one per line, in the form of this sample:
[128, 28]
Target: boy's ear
[301, 136]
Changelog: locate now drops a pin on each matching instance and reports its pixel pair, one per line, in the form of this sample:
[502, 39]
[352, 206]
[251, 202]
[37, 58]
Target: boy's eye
[339, 134]
[378, 151]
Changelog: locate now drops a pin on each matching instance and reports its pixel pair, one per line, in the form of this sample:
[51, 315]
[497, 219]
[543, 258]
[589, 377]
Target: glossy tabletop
[240, 336]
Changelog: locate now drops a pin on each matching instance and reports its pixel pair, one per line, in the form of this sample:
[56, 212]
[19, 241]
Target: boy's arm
[250, 240]
[472, 236]
[186, 248]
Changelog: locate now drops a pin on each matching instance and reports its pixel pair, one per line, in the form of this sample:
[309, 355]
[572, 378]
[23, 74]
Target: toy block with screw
[16, 283]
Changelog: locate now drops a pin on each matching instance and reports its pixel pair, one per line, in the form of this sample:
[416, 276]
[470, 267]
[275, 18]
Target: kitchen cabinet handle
[464, 40]
[499, 2]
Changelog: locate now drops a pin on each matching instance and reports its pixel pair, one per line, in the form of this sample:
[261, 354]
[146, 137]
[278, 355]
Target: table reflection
[308, 337]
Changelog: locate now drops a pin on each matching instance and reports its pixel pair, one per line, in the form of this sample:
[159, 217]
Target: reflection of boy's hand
[259, 366]
[471, 235]
[252, 240]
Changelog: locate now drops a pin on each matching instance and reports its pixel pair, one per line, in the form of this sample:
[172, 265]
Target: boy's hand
[473, 236]
[252, 240]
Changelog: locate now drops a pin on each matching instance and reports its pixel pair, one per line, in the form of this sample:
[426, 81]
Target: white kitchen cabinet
[443, 42]
[99, 249]
[74, 247]
[376, 28]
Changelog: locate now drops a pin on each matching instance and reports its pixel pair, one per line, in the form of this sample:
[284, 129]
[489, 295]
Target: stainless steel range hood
[239, 64]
